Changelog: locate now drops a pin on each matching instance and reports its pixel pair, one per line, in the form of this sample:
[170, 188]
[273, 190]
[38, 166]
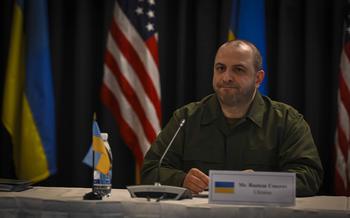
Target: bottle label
[100, 178]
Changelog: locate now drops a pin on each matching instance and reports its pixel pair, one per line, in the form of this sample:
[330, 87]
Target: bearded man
[236, 128]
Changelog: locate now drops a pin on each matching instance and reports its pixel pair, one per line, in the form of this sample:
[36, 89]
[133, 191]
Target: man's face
[235, 78]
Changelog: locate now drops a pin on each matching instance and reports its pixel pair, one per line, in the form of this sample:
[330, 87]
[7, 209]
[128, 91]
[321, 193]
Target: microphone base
[159, 192]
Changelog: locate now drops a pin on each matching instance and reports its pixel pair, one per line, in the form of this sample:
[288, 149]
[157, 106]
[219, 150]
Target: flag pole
[137, 173]
[93, 156]
[92, 195]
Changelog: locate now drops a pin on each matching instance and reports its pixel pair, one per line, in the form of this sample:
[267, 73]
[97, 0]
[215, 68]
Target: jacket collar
[212, 110]
[255, 112]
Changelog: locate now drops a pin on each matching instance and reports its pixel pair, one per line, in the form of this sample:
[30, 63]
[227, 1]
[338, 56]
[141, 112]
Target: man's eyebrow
[219, 64]
[239, 65]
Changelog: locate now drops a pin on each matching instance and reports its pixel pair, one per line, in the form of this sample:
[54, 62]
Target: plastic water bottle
[102, 184]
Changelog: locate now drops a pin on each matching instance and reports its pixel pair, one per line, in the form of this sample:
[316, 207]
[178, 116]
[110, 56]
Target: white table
[68, 202]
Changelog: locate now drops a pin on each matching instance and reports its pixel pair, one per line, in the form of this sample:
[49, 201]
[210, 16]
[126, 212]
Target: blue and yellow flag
[28, 102]
[98, 153]
[248, 22]
[224, 187]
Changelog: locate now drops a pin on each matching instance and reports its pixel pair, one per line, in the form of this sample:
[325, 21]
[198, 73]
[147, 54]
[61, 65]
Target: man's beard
[239, 98]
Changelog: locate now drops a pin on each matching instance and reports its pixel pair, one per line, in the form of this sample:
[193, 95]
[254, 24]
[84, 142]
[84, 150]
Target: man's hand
[196, 181]
[248, 171]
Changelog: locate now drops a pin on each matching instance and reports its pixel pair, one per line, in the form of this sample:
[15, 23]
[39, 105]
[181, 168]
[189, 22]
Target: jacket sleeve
[299, 154]
[170, 170]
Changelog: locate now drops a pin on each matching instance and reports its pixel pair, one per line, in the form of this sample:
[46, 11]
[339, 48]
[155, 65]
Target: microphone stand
[157, 190]
[157, 183]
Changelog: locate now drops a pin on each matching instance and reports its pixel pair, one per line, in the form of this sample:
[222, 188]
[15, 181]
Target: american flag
[342, 135]
[131, 88]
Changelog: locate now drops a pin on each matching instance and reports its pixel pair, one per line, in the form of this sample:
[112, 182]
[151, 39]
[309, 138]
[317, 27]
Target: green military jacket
[272, 136]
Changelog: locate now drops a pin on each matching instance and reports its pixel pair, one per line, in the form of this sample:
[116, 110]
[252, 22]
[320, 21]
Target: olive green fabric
[271, 137]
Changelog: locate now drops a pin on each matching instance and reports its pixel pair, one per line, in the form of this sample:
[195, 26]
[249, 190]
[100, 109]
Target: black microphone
[157, 190]
[166, 151]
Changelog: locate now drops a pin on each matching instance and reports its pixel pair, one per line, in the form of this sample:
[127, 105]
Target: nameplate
[262, 188]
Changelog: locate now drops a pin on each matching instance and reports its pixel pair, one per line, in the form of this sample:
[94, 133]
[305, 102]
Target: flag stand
[92, 195]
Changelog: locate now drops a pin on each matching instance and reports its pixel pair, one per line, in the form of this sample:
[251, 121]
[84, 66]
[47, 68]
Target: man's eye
[220, 68]
[239, 70]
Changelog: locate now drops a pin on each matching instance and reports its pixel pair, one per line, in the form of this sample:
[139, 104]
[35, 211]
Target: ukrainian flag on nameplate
[97, 155]
[224, 187]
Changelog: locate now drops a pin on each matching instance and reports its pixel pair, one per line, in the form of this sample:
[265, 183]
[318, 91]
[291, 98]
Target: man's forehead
[233, 56]
[234, 46]
[241, 53]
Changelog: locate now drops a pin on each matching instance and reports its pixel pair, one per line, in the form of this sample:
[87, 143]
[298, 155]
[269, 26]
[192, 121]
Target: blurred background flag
[248, 22]
[131, 86]
[342, 134]
[102, 161]
[28, 103]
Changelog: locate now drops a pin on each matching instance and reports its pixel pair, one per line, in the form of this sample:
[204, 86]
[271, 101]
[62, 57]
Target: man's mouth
[229, 87]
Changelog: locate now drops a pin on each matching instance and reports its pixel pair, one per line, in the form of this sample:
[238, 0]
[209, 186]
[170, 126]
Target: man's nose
[226, 76]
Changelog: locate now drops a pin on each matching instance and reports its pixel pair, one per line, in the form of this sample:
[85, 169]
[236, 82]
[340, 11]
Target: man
[235, 129]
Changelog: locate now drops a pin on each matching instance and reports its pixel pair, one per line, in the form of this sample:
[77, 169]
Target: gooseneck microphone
[182, 122]
[157, 190]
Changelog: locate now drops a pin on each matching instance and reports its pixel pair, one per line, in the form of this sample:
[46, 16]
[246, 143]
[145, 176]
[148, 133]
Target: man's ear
[259, 78]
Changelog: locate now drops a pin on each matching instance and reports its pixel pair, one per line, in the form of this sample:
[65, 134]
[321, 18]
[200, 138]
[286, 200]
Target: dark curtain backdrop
[304, 41]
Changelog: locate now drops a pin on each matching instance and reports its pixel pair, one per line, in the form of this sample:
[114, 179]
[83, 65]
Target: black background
[304, 40]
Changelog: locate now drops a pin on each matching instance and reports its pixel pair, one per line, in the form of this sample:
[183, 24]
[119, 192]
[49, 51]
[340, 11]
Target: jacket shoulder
[282, 109]
[193, 108]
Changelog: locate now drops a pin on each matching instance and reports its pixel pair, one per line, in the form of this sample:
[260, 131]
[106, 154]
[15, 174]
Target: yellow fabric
[31, 159]
[224, 190]
[104, 162]
[14, 73]
[231, 35]
[29, 156]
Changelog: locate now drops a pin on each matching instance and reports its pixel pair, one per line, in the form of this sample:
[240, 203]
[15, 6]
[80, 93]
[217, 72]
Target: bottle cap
[104, 136]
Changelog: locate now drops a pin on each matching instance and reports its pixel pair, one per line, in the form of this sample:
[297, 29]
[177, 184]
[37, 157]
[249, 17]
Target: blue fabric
[248, 22]
[142, 19]
[39, 83]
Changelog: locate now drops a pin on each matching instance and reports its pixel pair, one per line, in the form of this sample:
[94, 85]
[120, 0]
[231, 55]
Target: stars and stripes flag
[342, 135]
[131, 88]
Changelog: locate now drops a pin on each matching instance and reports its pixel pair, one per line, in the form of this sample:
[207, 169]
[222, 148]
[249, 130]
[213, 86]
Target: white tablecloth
[68, 202]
